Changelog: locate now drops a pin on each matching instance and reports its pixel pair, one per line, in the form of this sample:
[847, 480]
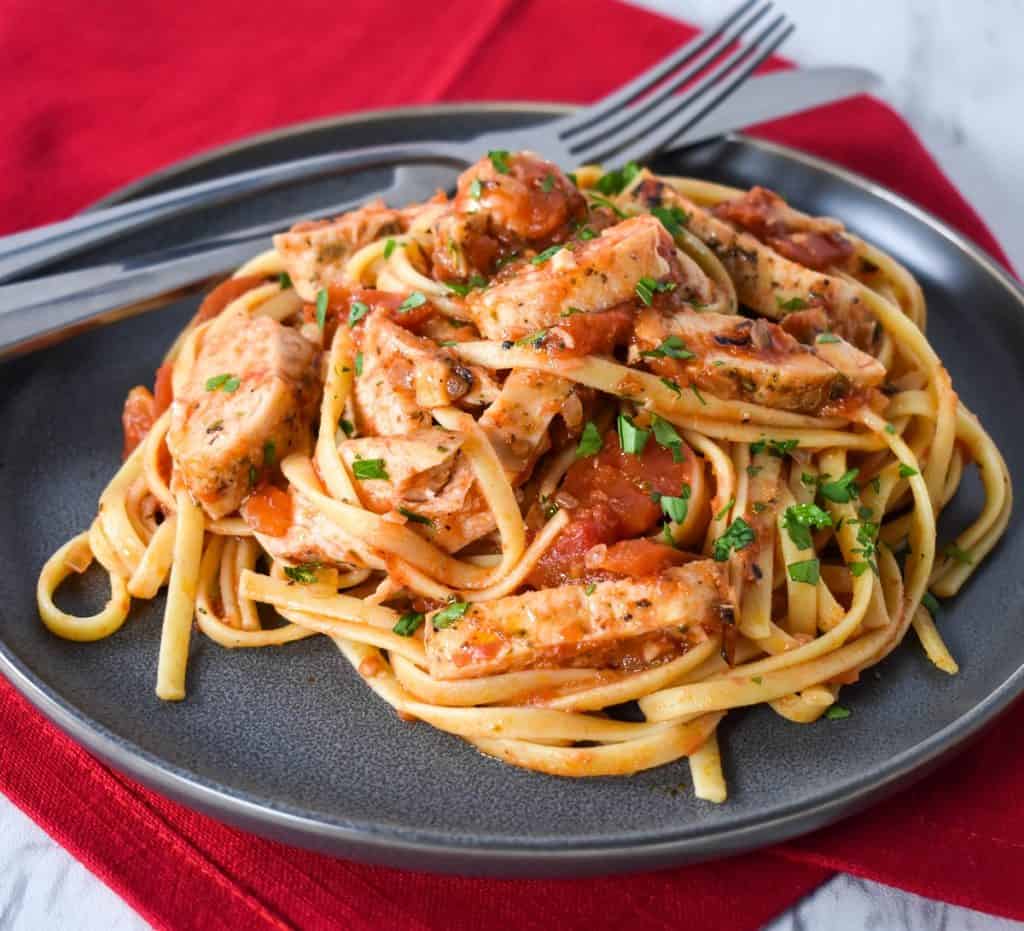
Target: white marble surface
[956, 71]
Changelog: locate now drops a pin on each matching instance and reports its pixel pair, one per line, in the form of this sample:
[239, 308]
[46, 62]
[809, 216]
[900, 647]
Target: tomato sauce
[268, 510]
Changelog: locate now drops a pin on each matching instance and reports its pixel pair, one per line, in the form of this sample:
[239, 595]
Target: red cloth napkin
[107, 92]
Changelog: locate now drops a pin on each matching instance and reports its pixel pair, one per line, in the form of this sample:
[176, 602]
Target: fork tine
[702, 62]
[618, 99]
[675, 116]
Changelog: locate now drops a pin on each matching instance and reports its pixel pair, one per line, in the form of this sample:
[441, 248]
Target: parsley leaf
[672, 386]
[697, 394]
[357, 310]
[739, 536]
[499, 159]
[837, 713]
[961, 556]
[794, 303]
[827, 338]
[672, 218]
[587, 232]
[359, 363]
[613, 182]
[364, 469]
[647, 287]
[321, 308]
[589, 589]
[415, 518]
[542, 257]
[807, 571]
[548, 183]
[906, 471]
[672, 347]
[533, 341]
[931, 603]
[631, 438]
[842, 489]
[450, 614]
[604, 202]
[269, 453]
[284, 280]
[475, 189]
[304, 574]
[225, 382]
[675, 508]
[347, 427]
[408, 624]
[389, 247]
[798, 519]
[666, 435]
[414, 300]
[590, 441]
[778, 448]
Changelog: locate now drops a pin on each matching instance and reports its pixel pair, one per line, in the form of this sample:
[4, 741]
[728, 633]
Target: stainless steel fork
[635, 122]
[626, 125]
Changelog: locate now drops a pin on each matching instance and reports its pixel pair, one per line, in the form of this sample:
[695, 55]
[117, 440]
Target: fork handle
[46, 310]
[24, 252]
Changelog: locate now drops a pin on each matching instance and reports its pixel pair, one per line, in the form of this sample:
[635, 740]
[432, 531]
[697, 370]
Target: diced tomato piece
[163, 389]
[268, 510]
[137, 418]
[564, 560]
[638, 558]
[597, 333]
[224, 294]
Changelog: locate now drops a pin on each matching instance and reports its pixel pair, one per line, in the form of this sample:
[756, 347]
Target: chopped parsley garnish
[450, 614]
[253, 475]
[646, 288]
[614, 182]
[675, 508]
[961, 556]
[408, 624]
[931, 603]
[589, 589]
[414, 300]
[462, 289]
[631, 438]
[304, 574]
[415, 518]
[672, 386]
[906, 471]
[284, 280]
[590, 441]
[672, 218]
[697, 394]
[798, 519]
[225, 382]
[389, 247]
[757, 680]
[875, 484]
[672, 347]
[499, 159]
[827, 338]
[604, 202]
[779, 448]
[347, 427]
[726, 509]
[357, 310]
[548, 183]
[475, 189]
[269, 453]
[807, 571]
[739, 536]
[571, 311]
[364, 469]
[753, 471]
[794, 303]
[534, 341]
[842, 489]
[587, 232]
[889, 428]
[359, 363]
[808, 480]
[837, 713]
[542, 257]
[666, 435]
[321, 308]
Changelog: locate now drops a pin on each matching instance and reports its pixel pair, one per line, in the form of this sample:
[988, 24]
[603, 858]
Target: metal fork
[626, 125]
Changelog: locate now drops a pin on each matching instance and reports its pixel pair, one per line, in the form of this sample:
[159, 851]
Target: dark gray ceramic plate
[291, 744]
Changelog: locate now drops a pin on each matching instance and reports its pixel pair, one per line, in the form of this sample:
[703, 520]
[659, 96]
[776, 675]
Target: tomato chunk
[638, 558]
[596, 333]
[268, 510]
[224, 294]
[137, 418]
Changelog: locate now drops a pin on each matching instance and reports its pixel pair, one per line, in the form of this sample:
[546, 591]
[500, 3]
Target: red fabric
[107, 92]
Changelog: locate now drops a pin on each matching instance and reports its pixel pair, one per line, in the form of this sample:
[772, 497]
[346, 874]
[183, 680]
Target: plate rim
[397, 845]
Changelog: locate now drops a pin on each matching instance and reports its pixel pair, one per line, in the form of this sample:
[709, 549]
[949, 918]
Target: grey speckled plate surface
[291, 744]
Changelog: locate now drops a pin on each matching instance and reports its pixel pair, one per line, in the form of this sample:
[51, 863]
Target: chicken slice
[769, 280]
[625, 624]
[752, 360]
[586, 276]
[315, 252]
[254, 385]
[310, 538]
[517, 422]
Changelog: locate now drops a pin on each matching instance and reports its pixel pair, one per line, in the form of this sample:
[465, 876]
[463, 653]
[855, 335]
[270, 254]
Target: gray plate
[291, 744]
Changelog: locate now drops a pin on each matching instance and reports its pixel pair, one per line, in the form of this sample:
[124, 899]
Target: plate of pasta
[561, 520]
